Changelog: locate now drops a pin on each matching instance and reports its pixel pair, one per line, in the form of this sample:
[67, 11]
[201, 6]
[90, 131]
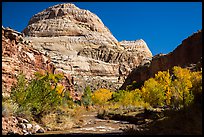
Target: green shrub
[86, 98]
[67, 100]
[8, 107]
[38, 96]
[118, 95]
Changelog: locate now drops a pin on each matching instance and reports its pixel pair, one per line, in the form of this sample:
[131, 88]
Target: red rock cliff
[18, 57]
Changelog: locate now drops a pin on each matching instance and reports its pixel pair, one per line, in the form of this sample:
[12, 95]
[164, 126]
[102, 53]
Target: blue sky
[163, 25]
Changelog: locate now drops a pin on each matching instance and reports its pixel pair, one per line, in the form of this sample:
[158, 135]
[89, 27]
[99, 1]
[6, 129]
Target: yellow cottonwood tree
[181, 86]
[101, 96]
[153, 92]
[164, 79]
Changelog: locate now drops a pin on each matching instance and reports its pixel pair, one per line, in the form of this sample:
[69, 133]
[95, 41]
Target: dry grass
[8, 107]
[78, 112]
[64, 118]
[58, 122]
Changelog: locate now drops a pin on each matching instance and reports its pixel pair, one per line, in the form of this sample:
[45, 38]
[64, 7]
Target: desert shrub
[127, 98]
[67, 100]
[9, 107]
[118, 95]
[86, 97]
[101, 96]
[41, 95]
[123, 97]
[137, 98]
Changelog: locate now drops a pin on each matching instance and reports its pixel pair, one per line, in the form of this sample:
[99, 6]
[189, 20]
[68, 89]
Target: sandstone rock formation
[80, 44]
[188, 54]
[19, 56]
[69, 20]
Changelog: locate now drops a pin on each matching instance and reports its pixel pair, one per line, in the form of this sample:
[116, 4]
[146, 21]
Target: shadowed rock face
[80, 44]
[185, 55]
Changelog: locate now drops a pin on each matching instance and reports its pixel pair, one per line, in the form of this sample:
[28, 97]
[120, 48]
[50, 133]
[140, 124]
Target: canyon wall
[187, 54]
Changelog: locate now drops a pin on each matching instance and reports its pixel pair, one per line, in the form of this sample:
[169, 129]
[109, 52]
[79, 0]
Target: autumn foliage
[176, 90]
[101, 96]
[40, 95]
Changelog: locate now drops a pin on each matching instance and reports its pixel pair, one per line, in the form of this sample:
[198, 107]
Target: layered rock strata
[79, 43]
[19, 56]
[188, 54]
[69, 20]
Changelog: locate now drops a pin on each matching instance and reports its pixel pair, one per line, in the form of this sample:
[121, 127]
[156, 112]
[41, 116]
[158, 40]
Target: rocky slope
[79, 43]
[19, 56]
[187, 54]
[16, 58]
